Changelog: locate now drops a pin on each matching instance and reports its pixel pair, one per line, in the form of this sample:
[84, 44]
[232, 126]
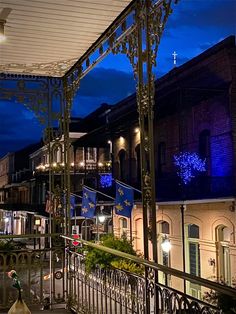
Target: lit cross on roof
[174, 54]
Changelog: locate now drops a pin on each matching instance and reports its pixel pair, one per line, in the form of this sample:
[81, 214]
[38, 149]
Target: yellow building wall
[208, 216]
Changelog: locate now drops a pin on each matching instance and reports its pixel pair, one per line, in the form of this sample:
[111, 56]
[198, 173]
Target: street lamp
[100, 218]
[37, 224]
[110, 143]
[166, 245]
[110, 163]
[6, 220]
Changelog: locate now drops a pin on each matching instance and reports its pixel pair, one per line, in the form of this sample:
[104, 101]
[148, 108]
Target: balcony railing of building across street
[80, 167]
[56, 276]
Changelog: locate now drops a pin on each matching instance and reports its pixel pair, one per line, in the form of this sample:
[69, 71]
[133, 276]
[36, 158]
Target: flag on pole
[48, 207]
[124, 200]
[88, 203]
[49, 203]
[72, 205]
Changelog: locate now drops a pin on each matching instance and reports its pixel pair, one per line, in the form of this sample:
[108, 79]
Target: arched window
[91, 154]
[193, 265]
[223, 254]
[164, 227]
[123, 226]
[57, 152]
[138, 162]
[161, 157]
[193, 250]
[122, 158]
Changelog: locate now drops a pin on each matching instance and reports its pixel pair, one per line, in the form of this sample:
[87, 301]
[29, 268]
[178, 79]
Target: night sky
[194, 26]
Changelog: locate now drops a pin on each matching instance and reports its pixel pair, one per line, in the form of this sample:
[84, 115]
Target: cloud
[18, 127]
[206, 45]
[13, 145]
[102, 85]
[204, 14]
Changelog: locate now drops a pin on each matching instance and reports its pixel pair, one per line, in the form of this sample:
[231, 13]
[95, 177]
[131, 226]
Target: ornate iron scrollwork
[34, 92]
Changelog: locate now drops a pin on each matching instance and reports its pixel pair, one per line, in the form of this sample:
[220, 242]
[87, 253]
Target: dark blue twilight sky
[194, 26]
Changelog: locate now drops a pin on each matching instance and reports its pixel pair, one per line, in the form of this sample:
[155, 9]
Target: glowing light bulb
[166, 245]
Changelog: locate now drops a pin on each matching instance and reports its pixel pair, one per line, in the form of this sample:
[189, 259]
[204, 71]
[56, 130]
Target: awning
[46, 37]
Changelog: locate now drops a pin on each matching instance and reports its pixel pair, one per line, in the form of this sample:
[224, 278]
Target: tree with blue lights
[106, 180]
[188, 165]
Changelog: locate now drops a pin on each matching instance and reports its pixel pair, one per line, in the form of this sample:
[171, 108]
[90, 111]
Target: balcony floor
[56, 311]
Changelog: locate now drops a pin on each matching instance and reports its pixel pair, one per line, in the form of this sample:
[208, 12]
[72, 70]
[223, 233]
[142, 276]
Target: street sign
[76, 237]
[75, 229]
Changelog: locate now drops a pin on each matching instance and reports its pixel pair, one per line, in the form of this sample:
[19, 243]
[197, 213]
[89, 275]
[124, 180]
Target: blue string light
[188, 165]
[105, 180]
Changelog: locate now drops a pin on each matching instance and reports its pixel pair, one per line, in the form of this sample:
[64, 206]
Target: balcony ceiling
[46, 37]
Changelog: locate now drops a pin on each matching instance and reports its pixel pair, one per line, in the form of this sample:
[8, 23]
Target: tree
[188, 165]
[225, 302]
[105, 260]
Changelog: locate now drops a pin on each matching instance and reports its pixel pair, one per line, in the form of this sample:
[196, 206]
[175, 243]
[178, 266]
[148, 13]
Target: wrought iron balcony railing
[82, 167]
[14, 205]
[169, 187]
[116, 291]
[55, 275]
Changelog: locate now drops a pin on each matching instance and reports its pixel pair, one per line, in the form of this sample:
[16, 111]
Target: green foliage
[105, 260]
[6, 246]
[128, 266]
[10, 245]
[225, 302]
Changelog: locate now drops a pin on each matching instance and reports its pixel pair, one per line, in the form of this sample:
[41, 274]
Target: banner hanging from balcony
[88, 203]
[72, 204]
[124, 200]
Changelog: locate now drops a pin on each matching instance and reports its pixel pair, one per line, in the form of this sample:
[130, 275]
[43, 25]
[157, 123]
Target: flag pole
[85, 235]
[76, 195]
[112, 220]
[129, 186]
[112, 198]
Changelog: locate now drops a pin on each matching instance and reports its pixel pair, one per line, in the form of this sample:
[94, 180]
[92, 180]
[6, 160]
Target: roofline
[228, 42]
[225, 43]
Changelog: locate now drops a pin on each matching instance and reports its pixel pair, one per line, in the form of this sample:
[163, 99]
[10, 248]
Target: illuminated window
[91, 154]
